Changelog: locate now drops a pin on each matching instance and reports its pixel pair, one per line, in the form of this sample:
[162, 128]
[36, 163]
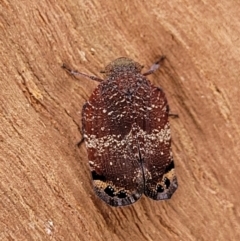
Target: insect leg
[155, 66]
[76, 73]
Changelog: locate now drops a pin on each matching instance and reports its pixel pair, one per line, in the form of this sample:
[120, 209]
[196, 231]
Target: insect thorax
[122, 65]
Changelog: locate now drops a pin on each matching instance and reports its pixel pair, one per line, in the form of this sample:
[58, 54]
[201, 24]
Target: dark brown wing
[155, 145]
[112, 150]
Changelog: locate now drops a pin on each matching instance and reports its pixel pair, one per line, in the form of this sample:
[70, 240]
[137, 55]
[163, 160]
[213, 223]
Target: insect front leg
[155, 66]
[76, 73]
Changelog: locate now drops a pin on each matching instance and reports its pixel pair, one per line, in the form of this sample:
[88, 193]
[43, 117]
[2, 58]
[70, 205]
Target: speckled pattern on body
[127, 135]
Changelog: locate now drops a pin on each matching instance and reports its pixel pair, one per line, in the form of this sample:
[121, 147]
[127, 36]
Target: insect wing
[155, 147]
[113, 158]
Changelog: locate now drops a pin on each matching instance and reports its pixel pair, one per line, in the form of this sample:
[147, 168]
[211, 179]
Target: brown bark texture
[45, 184]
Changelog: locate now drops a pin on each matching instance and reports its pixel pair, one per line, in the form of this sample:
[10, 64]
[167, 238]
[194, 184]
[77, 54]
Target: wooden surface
[45, 185]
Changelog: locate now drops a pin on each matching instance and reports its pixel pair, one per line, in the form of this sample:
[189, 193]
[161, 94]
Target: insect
[127, 135]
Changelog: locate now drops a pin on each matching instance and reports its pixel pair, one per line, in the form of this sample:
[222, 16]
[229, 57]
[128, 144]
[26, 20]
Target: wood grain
[45, 186]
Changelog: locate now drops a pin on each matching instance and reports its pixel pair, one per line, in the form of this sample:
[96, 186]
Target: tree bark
[45, 183]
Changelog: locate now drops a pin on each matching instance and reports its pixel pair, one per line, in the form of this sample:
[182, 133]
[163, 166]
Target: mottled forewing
[116, 171]
[155, 146]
